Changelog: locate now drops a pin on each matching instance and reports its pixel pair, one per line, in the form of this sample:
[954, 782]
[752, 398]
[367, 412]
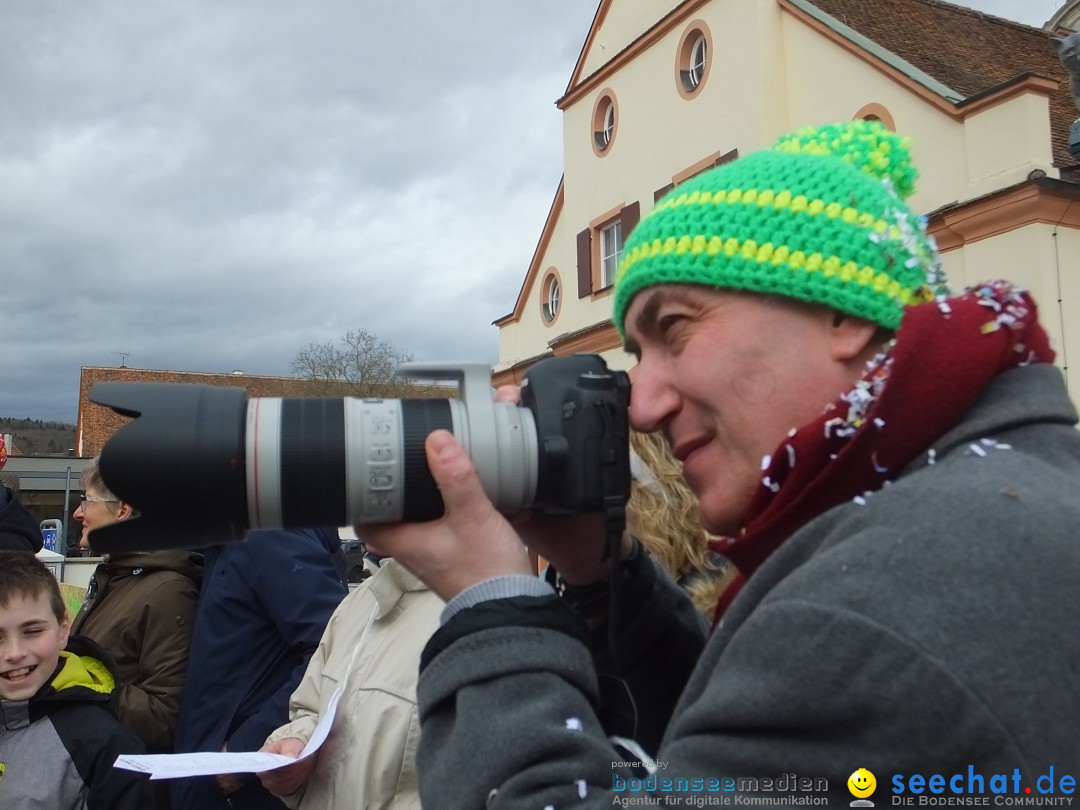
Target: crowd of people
[278, 641]
[850, 547]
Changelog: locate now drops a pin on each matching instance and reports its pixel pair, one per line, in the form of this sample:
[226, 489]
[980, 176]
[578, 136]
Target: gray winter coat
[931, 630]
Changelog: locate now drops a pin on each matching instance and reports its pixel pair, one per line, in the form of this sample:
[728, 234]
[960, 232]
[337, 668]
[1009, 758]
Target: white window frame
[609, 258]
[551, 299]
[607, 127]
[609, 124]
[699, 58]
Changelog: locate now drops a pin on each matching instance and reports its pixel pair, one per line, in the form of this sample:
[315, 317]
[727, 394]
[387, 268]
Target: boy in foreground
[58, 735]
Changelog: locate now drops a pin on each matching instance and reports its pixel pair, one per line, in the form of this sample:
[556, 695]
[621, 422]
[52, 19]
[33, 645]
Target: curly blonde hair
[663, 515]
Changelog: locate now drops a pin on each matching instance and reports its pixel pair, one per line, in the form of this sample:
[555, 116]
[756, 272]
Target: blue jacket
[261, 614]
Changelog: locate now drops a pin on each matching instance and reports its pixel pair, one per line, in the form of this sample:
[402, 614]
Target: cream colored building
[664, 90]
[1067, 17]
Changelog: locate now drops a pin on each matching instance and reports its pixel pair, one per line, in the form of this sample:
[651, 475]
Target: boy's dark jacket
[57, 749]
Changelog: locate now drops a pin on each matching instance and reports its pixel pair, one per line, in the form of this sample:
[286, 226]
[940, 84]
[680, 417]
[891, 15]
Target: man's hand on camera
[471, 543]
[573, 544]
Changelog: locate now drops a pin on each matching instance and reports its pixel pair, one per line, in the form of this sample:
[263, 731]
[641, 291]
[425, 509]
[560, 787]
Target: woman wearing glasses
[139, 607]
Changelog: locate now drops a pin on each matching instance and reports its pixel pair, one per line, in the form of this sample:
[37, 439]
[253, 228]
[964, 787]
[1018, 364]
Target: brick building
[96, 423]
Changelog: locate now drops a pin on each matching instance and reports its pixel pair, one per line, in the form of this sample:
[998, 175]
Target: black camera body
[581, 410]
[203, 465]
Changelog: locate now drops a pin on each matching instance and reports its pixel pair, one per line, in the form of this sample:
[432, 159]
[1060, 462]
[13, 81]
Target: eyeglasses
[94, 499]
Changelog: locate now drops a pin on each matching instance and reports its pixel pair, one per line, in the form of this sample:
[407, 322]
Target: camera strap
[616, 491]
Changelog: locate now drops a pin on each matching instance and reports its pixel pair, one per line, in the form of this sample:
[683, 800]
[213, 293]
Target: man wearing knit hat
[893, 472]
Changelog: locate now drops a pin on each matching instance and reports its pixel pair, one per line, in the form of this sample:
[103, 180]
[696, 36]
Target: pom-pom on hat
[820, 217]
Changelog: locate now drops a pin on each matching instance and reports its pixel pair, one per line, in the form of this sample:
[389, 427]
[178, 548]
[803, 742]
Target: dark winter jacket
[926, 629]
[57, 749]
[19, 529]
[264, 605]
[141, 608]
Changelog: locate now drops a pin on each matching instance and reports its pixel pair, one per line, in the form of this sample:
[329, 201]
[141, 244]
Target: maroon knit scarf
[944, 354]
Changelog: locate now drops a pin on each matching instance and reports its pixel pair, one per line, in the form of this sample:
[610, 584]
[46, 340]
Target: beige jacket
[369, 758]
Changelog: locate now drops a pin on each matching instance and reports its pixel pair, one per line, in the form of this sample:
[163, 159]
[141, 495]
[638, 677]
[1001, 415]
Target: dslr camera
[203, 464]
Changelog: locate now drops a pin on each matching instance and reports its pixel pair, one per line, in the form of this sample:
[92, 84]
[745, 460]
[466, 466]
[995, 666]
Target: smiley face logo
[862, 783]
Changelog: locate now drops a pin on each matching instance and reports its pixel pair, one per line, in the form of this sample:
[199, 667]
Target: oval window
[605, 122]
[550, 297]
[692, 63]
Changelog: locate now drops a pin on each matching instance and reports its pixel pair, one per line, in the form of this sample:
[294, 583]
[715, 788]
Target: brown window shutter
[660, 192]
[629, 217]
[727, 157]
[584, 263]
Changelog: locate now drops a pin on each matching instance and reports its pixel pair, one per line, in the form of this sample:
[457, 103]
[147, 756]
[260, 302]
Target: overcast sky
[209, 186]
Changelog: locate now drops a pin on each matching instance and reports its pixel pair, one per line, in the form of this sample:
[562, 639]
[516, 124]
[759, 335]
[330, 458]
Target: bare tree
[359, 359]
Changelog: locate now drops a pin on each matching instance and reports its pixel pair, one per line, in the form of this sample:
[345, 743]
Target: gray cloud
[1029, 12]
[210, 186]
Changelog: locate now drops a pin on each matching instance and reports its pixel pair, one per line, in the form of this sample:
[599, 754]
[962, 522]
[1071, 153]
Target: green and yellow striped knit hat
[819, 217]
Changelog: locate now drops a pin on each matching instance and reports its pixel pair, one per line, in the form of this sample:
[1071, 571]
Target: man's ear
[853, 339]
[125, 511]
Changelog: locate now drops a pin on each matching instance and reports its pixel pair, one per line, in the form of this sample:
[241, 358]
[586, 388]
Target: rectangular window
[611, 241]
[599, 248]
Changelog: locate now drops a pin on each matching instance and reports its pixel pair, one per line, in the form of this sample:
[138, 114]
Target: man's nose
[652, 398]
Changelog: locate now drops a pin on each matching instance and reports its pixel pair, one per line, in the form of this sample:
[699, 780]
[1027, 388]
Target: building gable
[601, 55]
[532, 273]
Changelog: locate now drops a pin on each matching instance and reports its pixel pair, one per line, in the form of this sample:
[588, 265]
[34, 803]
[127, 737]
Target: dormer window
[876, 112]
